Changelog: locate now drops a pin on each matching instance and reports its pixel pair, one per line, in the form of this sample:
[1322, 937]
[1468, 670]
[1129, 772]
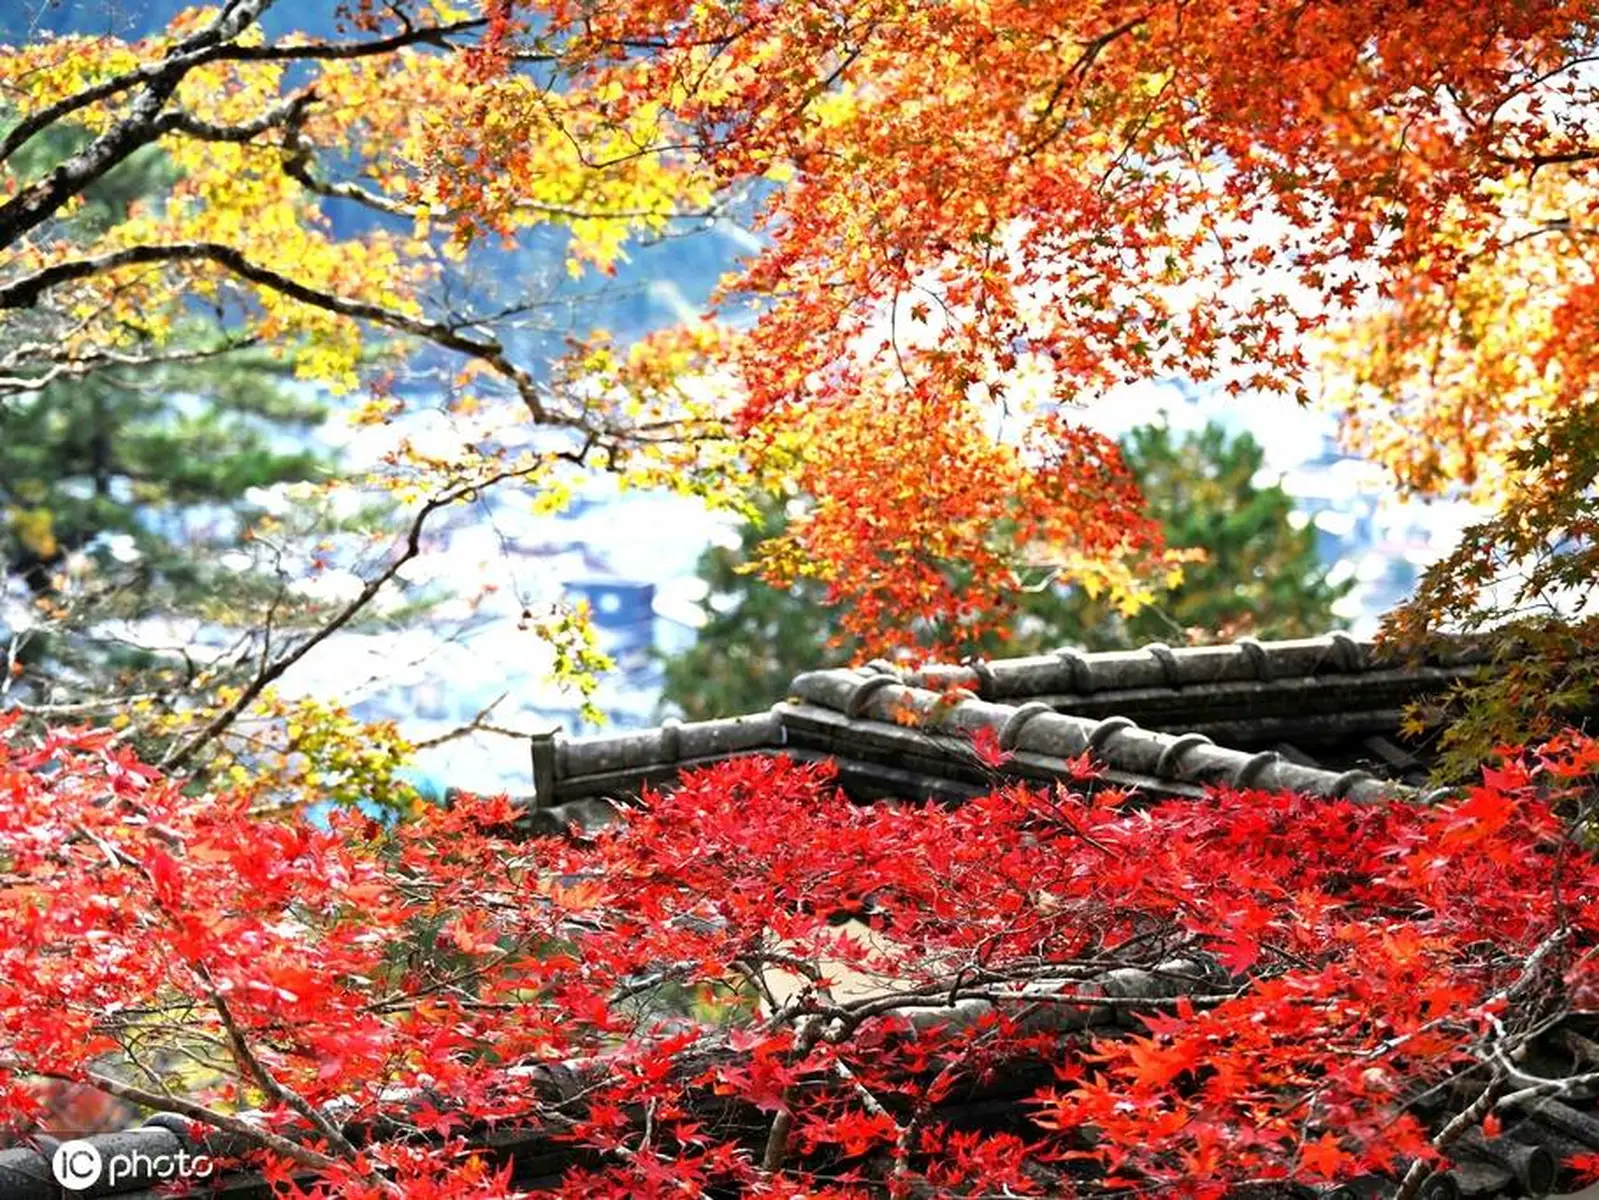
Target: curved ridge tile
[1074, 672]
[1118, 742]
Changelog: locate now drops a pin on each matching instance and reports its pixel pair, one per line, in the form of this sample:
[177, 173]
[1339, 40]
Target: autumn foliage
[1295, 976]
[975, 216]
[971, 217]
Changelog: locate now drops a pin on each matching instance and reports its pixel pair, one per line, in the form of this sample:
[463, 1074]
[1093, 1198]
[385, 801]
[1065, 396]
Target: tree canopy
[1092, 194]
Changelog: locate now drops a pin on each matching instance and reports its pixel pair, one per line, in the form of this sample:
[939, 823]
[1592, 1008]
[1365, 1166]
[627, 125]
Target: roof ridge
[873, 696]
[1142, 712]
[1157, 665]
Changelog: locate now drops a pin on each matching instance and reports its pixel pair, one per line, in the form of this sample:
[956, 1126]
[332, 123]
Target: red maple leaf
[985, 744]
[1324, 1157]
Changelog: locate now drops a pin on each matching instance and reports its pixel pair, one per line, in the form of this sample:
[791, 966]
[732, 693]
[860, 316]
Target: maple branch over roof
[1241, 987]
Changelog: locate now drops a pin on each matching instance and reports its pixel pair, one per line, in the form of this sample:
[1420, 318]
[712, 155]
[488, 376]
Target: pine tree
[121, 486]
[1260, 576]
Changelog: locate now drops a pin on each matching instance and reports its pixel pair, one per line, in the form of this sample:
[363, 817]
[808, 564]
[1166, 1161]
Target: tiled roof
[540, 1155]
[1318, 716]
[859, 714]
[1328, 701]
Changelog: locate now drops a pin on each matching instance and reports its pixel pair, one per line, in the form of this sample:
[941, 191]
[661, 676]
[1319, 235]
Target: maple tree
[1246, 987]
[1092, 194]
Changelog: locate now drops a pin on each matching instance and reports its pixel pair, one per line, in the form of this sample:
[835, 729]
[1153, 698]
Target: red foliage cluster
[996, 209]
[1187, 995]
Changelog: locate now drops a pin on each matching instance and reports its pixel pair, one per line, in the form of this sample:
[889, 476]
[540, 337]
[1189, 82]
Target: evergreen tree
[122, 484]
[1261, 576]
[755, 637]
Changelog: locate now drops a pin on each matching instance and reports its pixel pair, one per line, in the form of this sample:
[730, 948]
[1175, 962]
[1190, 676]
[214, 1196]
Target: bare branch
[286, 112]
[162, 1102]
[431, 35]
[91, 360]
[478, 723]
[268, 1082]
[184, 753]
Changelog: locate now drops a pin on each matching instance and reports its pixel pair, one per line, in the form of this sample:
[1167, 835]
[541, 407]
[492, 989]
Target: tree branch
[37, 122]
[35, 204]
[269, 1083]
[184, 753]
[90, 361]
[237, 1126]
[26, 291]
[287, 112]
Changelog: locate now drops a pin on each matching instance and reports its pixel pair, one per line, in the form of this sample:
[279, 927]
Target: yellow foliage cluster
[1446, 380]
[287, 753]
[383, 130]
